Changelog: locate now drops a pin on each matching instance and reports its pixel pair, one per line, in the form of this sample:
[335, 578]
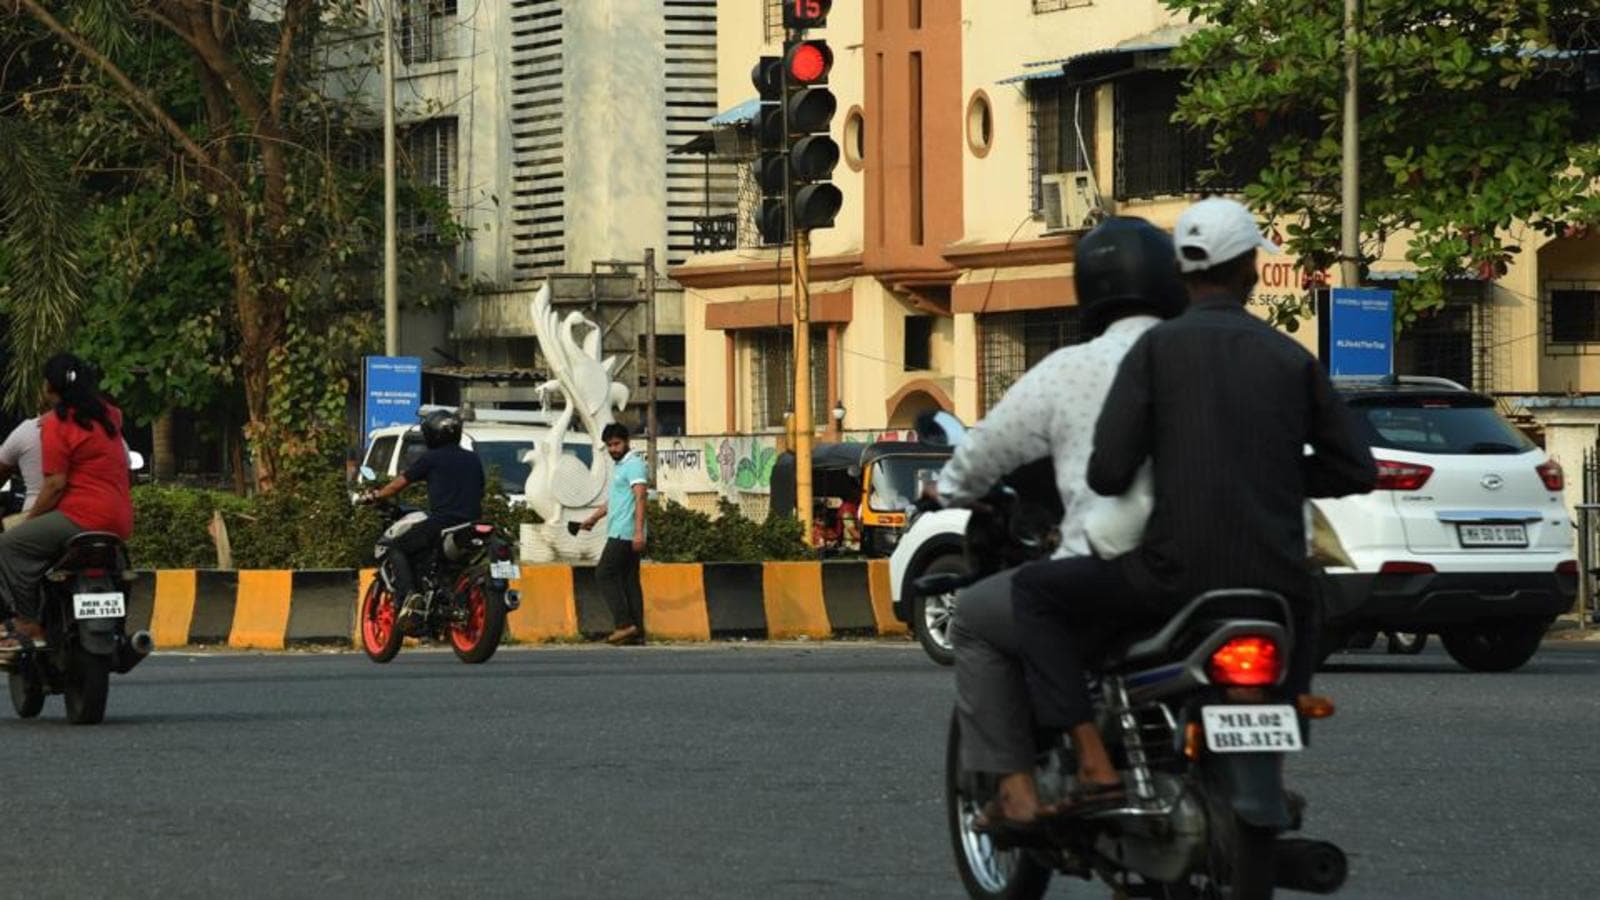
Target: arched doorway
[916, 398]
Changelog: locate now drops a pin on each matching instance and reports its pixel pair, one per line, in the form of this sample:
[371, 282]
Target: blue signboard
[393, 392]
[1361, 332]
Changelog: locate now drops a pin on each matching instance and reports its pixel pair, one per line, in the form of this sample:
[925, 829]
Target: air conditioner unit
[1071, 202]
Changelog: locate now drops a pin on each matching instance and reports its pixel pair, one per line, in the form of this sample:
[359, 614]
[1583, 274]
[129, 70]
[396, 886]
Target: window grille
[1053, 133]
[425, 29]
[772, 377]
[1015, 342]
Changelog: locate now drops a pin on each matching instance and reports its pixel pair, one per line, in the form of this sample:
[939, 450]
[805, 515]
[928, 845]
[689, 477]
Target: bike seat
[1141, 647]
[92, 549]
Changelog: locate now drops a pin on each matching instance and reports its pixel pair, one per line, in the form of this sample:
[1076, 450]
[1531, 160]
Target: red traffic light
[809, 62]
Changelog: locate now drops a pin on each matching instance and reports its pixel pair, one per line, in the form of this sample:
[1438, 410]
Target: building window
[425, 29]
[1044, 6]
[980, 124]
[1573, 314]
[1159, 158]
[431, 153]
[774, 23]
[1062, 130]
[772, 377]
[919, 343]
[1443, 342]
[1015, 342]
[855, 139]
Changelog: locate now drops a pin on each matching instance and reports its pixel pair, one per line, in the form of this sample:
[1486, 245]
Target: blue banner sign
[1361, 332]
[393, 393]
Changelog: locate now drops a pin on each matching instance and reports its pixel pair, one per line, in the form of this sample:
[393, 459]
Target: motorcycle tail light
[1552, 476]
[1250, 661]
[483, 528]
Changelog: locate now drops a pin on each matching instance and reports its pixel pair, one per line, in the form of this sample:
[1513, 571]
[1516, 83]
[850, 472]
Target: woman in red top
[86, 484]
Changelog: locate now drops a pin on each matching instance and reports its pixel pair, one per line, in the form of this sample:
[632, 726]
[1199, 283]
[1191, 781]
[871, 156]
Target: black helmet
[1126, 266]
[441, 428]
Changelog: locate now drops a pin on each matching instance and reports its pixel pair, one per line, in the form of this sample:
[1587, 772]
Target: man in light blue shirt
[618, 571]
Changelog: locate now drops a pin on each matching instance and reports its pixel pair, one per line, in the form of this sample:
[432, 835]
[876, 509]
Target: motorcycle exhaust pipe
[1316, 867]
[131, 651]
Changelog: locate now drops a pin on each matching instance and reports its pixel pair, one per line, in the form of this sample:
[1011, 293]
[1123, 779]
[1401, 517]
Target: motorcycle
[465, 585]
[84, 602]
[1197, 719]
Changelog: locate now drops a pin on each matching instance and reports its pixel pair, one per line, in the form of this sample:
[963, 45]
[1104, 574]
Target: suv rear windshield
[1439, 425]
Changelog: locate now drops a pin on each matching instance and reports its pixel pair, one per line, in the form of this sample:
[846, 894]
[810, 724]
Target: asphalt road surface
[725, 770]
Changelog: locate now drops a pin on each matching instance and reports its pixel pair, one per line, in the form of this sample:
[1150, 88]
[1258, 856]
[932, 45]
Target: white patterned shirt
[1050, 411]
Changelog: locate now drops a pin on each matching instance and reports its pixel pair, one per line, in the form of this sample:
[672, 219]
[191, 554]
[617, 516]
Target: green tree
[220, 119]
[40, 280]
[1474, 127]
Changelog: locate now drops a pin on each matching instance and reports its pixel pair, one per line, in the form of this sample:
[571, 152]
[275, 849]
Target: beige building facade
[979, 139]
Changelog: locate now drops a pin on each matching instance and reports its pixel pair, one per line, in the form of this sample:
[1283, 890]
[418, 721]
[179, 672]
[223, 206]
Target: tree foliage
[1476, 133]
[238, 219]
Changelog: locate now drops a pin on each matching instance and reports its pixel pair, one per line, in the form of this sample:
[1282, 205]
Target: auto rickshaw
[861, 493]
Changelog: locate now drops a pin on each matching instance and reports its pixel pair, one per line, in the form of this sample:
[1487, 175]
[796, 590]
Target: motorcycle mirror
[940, 429]
[367, 474]
[135, 460]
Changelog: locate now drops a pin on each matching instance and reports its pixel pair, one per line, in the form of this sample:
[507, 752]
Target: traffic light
[803, 14]
[808, 115]
[771, 172]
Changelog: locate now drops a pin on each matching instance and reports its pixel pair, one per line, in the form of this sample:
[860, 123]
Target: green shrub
[679, 534]
[170, 526]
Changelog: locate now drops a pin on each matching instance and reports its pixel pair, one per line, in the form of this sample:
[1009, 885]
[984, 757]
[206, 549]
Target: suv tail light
[1552, 476]
[1398, 476]
[1406, 568]
[1246, 662]
[1568, 568]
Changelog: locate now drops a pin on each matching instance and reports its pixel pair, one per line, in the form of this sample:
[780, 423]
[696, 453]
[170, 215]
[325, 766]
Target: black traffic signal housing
[771, 169]
[799, 15]
[813, 154]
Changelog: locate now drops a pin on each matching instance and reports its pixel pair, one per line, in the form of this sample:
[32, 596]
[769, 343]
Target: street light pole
[1350, 238]
[650, 356]
[391, 243]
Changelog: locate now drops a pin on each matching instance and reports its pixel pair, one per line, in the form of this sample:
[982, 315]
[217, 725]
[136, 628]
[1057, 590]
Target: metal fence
[1589, 539]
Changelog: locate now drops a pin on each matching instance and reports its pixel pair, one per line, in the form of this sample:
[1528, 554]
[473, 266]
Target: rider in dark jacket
[455, 497]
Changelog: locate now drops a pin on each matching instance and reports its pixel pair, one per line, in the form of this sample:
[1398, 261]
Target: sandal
[991, 822]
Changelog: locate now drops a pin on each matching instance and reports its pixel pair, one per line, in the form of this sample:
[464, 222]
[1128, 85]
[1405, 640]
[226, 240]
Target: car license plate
[506, 571]
[1252, 729]
[99, 606]
[1493, 535]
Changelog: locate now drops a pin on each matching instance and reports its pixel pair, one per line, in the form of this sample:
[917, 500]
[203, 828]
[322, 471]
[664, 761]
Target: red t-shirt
[96, 466]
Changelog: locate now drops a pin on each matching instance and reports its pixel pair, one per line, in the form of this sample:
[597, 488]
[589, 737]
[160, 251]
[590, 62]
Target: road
[732, 770]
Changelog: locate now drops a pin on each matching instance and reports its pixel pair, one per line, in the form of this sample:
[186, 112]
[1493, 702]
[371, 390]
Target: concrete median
[280, 609]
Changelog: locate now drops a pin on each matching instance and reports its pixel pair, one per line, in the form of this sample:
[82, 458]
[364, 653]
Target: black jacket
[1225, 406]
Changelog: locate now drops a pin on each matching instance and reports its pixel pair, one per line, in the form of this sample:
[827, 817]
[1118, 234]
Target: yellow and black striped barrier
[276, 609]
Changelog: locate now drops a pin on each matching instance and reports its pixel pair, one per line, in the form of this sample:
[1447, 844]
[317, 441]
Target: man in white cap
[1223, 405]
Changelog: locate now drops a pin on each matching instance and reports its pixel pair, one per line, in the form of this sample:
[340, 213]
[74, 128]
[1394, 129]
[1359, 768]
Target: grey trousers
[991, 690]
[26, 553]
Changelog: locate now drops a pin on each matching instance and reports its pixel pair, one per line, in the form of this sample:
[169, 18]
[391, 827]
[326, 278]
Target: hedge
[312, 525]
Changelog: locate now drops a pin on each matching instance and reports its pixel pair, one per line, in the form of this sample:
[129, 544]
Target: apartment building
[980, 139]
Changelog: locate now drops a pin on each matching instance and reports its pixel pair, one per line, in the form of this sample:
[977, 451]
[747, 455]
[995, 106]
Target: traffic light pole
[802, 381]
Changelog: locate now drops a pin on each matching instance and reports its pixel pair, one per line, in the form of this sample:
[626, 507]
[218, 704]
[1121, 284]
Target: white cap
[1214, 231]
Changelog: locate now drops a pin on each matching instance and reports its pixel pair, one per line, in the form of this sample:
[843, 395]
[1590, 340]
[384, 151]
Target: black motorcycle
[464, 584]
[84, 608]
[1197, 718]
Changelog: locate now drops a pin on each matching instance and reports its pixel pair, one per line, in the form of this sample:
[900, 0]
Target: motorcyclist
[455, 496]
[1223, 406]
[1126, 280]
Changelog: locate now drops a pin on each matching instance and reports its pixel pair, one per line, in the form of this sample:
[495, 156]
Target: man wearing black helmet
[455, 496]
[1223, 407]
[1126, 279]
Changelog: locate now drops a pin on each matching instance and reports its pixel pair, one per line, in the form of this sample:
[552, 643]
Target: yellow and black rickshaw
[862, 494]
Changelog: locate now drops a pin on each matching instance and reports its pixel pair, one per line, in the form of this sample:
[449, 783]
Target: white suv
[498, 444]
[1467, 536]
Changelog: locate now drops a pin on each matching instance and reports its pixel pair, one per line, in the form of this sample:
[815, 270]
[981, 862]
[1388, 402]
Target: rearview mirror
[135, 460]
[367, 474]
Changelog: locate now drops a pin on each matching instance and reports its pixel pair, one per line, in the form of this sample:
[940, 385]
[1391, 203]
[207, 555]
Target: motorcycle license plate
[99, 606]
[1252, 729]
[506, 571]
